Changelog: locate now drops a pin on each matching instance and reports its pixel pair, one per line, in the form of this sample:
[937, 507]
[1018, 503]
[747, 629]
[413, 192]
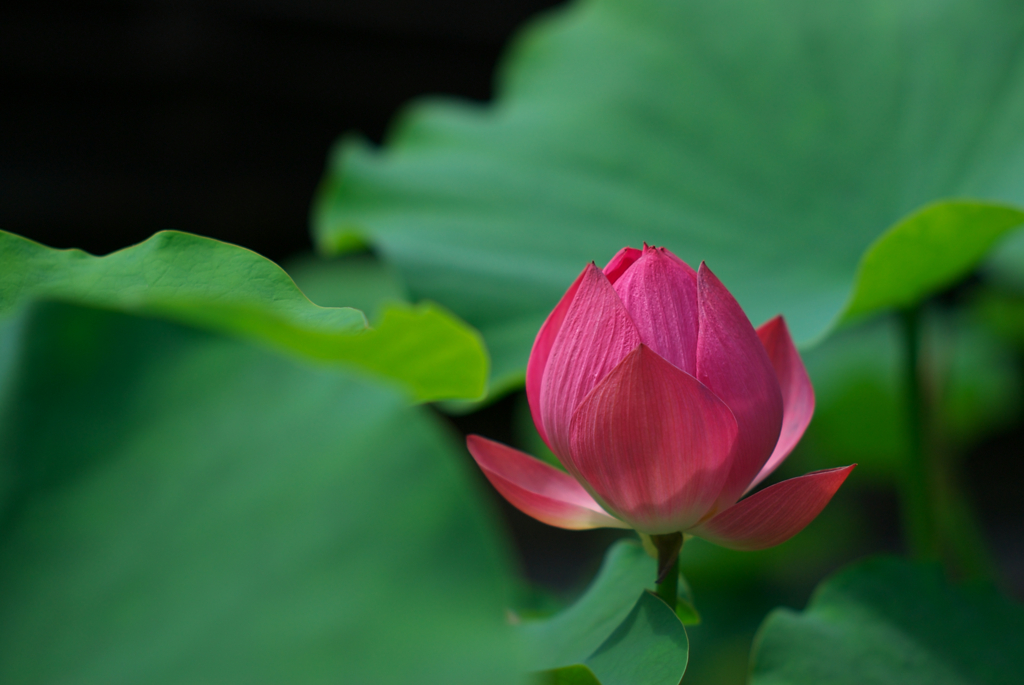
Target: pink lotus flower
[665, 406]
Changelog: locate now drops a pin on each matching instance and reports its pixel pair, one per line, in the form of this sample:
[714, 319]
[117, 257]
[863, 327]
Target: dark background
[127, 117]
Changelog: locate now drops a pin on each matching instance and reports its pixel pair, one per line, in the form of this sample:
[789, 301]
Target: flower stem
[668, 547]
[918, 512]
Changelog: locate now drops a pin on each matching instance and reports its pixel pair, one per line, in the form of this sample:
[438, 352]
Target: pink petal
[660, 294]
[537, 489]
[652, 444]
[733, 363]
[797, 393]
[542, 350]
[775, 514]
[618, 264]
[596, 334]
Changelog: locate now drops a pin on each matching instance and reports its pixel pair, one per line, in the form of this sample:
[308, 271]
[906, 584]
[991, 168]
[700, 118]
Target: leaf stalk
[668, 547]
[917, 505]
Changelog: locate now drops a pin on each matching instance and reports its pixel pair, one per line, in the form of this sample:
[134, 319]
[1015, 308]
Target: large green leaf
[887, 621]
[186, 508]
[610, 635]
[360, 281]
[926, 252]
[226, 288]
[775, 139]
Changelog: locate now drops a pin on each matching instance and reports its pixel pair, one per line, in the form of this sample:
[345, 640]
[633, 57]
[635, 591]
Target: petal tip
[772, 516]
[537, 489]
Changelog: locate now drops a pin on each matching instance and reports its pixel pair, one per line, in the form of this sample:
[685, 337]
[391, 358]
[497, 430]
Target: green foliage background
[206, 477]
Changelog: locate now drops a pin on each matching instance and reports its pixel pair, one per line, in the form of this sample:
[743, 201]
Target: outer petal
[596, 334]
[542, 350]
[618, 264]
[775, 514]
[653, 444]
[660, 294]
[797, 393]
[537, 489]
[732, 362]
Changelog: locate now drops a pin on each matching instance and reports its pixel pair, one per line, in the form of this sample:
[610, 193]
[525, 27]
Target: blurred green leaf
[649, 647]
[574, 634]
[225, 288]
[527, 435]
[1006, 265]
[975, 377]
[687, 613]
[775, 140]
[1003, 312]
[887, 621]
[359, 281]
[617, 637]
[186, 508]
[859, 416]
[926, 252]
[569, 675]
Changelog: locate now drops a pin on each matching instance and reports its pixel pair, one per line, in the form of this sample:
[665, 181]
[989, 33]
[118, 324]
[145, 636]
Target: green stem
[919, 522]
[668, 547]
[668, 588]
